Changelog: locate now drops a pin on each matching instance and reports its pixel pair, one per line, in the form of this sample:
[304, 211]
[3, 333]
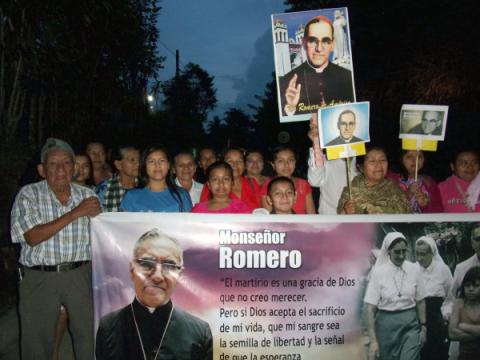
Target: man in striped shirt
[50, 220]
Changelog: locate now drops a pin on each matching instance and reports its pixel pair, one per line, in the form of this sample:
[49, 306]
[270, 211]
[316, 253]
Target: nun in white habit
[395, 295]
[437, 279]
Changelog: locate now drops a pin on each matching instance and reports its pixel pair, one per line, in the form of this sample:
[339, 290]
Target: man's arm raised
[40, 233]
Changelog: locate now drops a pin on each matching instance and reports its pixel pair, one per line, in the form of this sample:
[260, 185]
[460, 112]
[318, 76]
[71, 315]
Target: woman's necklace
[140, 336]
[399, 288]
[464, 196]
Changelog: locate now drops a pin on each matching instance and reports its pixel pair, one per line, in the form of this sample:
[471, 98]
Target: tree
[188, 99]
[267, 125]
[73, 69]
[238, 128]
[216, 132]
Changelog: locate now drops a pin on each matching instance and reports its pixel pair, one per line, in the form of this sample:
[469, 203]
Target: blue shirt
[144, 200]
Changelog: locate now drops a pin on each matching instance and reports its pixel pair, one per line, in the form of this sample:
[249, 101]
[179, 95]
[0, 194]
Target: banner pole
[416, 159]
[349, 184]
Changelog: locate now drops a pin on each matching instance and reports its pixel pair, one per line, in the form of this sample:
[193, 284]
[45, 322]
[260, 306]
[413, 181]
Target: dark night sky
[232, 40]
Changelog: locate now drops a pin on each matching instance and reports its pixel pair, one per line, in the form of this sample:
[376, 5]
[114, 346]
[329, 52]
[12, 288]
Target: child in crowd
[421, 190]
[241, 187]
[464, 323]
[281, 195]
[220, 183]
[83, 171]
[284, 162]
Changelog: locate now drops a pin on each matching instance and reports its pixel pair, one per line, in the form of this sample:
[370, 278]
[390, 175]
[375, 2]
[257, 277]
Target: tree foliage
[188, 99]
[235, 129]
[74, 69]
[77, 70]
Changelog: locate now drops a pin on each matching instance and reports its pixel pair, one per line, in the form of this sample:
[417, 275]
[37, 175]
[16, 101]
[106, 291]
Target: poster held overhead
[313, 61]
[344, 129]
[421, 127]
[425, 122]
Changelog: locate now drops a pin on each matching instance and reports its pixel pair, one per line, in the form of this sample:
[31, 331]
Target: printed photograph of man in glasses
[344, 124]
[431, 124]
[423, 121]
[312, 61]
[151, 327]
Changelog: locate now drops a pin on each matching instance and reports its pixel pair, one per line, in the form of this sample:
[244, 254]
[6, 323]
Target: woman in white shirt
[396, 318]
[437, 279]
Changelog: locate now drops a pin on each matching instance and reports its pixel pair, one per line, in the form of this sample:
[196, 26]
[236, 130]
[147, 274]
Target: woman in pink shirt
[219, 183]
[241, 187]
[454, 190]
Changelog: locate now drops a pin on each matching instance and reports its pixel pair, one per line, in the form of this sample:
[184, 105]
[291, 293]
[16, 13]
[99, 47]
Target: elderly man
[431, 124]
[151, 327]
[346, 124]
[317, 82]
[50, 219]
[184, 168]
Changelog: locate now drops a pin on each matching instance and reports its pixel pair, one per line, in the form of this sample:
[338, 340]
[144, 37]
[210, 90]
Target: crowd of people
[50, 220]
[185, 183]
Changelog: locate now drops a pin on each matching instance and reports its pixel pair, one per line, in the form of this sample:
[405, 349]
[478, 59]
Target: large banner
[270, 287]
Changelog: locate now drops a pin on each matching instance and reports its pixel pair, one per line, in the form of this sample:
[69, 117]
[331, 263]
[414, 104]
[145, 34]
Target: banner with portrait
[313, 61]
[270, 287]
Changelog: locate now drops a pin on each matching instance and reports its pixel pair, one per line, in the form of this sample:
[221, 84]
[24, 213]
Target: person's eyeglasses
[432, 121]
[477, 238]
[148, 266]
[343, 123]
[314, 41]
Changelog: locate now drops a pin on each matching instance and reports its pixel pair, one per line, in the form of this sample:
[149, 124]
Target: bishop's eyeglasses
[314, 41]
[148, 266]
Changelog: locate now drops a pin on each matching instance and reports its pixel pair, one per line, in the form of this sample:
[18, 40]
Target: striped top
[36, 204]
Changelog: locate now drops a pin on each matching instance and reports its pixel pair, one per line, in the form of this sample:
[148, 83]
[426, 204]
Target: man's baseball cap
[55, 144]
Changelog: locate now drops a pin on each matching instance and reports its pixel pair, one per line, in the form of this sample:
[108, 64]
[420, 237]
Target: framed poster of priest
[313, 61]
[346, 124]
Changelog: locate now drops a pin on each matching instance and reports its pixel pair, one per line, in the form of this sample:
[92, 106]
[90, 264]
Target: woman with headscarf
[371, 192]
[395, 295]
[437, 279]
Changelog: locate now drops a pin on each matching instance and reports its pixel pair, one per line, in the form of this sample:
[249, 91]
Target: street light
[150, 100]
